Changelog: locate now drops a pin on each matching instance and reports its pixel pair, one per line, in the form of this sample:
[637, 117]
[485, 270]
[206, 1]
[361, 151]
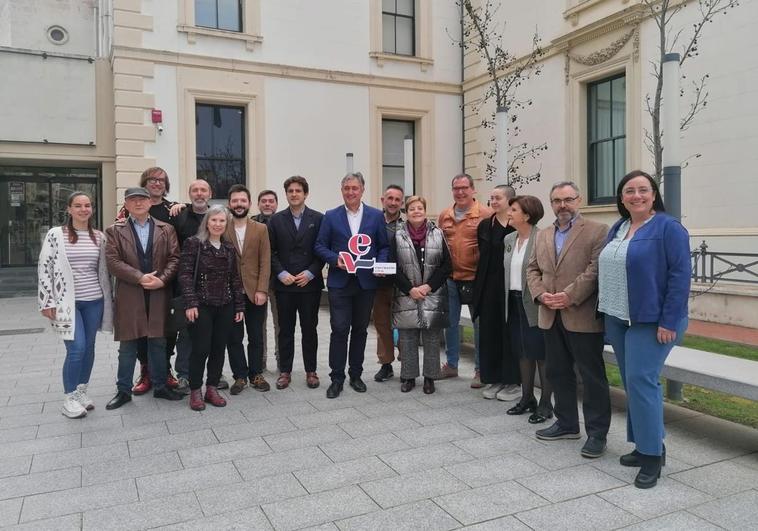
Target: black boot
[633, 458]
[650, 471]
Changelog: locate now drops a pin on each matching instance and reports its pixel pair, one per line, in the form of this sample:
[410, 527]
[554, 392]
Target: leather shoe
[428, 386]
[311, 380]
[358, 385]
[167, 393]
[407, 384]
[283, 381]
[384, 373]
[555, 432]
[119, 400]
[594, 447]
[523, 407]
[334, 390]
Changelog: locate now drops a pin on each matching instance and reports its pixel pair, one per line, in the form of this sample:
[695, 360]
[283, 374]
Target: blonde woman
[214, 300]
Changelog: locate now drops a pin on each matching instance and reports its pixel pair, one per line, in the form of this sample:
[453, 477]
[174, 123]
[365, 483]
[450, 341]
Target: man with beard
[562, 277]
[392, 202]
[254, 261]
[268, 202]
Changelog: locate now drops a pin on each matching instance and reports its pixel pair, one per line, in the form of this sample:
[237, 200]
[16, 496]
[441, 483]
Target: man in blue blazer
[351, 295]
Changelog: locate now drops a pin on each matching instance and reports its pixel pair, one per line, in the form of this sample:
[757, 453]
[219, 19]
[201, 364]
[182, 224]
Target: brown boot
[143, 384]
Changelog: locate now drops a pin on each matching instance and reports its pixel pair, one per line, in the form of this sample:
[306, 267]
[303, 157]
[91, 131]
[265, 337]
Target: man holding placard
[352, 239]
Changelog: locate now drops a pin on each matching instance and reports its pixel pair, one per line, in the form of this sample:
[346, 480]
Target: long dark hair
[657, 202]
[73, 237]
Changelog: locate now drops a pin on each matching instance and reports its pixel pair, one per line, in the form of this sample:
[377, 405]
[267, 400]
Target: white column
[408, 166]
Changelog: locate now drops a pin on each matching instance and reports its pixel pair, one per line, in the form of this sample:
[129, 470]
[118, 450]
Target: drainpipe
[463, 109]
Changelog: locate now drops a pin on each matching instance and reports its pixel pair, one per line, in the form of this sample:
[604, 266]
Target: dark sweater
[218, 280]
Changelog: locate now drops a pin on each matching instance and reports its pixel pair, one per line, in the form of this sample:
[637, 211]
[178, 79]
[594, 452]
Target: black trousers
[289, 305]
[253, 365]
[564, 349]
[349, 315]
[209, 334]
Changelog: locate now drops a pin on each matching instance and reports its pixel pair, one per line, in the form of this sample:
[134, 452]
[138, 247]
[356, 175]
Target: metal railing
[709, 267]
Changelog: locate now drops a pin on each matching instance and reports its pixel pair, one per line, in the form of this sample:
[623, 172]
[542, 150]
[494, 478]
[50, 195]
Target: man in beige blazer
[562, 278]
[254, 261]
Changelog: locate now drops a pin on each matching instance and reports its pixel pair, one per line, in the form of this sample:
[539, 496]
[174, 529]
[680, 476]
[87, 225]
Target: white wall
[309, 128]
[331, 35]
[165, 150]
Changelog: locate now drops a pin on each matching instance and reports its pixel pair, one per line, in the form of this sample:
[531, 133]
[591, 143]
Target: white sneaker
[491, 390]
[81, 396]
[509, 393]
[72, 408]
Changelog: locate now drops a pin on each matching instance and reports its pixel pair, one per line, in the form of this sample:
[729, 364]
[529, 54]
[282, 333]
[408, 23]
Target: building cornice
[281, 70]
[627, 17]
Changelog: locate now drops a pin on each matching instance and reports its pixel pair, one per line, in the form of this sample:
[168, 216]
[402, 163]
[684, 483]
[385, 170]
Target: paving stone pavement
[292, 459]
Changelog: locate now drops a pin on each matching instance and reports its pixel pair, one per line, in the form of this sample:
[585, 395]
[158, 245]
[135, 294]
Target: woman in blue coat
[644, 277]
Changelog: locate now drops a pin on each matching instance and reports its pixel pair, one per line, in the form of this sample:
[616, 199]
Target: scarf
[418, 236]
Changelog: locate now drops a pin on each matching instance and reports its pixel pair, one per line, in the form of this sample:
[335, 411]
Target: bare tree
[507, 72]
[663, 12]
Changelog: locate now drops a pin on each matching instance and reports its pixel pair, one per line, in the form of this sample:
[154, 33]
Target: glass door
[31, 201]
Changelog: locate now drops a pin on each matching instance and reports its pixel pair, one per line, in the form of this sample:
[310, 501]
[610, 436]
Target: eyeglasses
[461, 188]
[566, 201]
[629, 192]
[155, 180]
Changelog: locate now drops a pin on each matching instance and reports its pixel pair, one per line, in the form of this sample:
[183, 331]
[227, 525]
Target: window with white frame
[606, 137]
[394, 133]
[219, 14]
[220, 146]
[399, 27]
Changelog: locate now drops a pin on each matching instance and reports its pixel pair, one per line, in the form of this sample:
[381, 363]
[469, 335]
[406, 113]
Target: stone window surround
[576, 117]
[423, 28]
[251, 24]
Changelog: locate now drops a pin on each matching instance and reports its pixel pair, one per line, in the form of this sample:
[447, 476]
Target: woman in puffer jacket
[420, 304]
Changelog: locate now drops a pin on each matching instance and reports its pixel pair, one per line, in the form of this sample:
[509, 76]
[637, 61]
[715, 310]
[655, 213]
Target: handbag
[177, 317]
[465, 291]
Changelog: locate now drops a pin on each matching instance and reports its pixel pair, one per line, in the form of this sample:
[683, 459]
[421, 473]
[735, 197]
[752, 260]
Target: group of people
[541, 301]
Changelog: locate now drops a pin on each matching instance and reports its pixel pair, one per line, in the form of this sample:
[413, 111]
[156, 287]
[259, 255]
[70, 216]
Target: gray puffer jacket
[432, 311]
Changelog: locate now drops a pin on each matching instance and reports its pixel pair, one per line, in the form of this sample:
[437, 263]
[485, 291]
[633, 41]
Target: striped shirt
[83, 257]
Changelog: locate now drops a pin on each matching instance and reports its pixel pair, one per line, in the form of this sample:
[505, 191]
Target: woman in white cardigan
[74, 292]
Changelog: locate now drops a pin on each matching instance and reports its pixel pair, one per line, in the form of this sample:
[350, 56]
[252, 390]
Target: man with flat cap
[142, 253]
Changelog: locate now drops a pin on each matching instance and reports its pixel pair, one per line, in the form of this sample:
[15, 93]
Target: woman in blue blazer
[644, 286]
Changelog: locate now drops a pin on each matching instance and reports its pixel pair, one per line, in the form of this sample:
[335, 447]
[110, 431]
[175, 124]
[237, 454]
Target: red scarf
[418, 236]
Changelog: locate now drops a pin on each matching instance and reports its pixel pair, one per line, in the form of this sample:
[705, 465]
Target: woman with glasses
[644, 286]
[74, 292]
[214, 299]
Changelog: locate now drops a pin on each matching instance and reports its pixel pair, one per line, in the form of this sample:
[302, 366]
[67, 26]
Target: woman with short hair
[213, 298]
[526, 338]
[74, 292]
[420, 304]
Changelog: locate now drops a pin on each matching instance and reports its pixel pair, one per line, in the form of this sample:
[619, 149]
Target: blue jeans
[452, 333]
[640, 360]
[156, 361]
[80, 351]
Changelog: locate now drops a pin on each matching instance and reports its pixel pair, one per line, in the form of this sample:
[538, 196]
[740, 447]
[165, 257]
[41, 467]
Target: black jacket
[292, 249]
[487, 246]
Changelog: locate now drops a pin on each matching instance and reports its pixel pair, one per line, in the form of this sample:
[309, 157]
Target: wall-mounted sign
[16, 193]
